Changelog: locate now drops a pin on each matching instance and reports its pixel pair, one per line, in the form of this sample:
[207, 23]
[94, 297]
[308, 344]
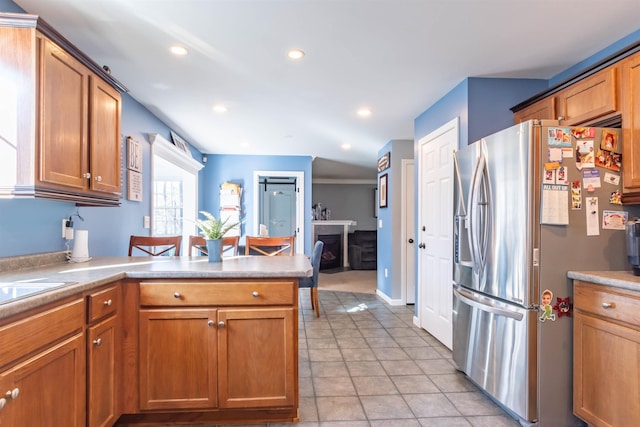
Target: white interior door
[408, 274]
[435, 247]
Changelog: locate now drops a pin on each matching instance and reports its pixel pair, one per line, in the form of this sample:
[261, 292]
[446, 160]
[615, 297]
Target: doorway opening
[279, 204]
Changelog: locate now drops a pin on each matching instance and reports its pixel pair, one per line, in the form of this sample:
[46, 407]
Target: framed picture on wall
[382, 190]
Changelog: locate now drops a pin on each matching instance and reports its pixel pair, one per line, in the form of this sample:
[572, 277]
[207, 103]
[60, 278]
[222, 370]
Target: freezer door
[495, 344]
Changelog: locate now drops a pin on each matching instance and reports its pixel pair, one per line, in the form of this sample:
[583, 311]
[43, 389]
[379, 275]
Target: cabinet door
[102, 374]
[49, 388]
[631, 124]
[541, 110]
[257, 358]
[590, 98]
[105, 137]
[178, 359]
[63, 133]
[606, 372]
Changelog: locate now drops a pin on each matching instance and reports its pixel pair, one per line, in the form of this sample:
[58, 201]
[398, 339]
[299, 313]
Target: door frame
[404, 235]
[299, 176]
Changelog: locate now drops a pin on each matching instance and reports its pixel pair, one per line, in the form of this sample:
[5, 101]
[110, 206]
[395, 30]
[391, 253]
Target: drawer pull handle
[176, 295]
[608, 305]
[255, 294]
[221, 324]
[98, 342]
[13, 394]
[108, 303]
[3, 402]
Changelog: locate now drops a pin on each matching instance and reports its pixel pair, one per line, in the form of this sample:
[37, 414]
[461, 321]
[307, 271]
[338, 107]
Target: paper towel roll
[80, 251]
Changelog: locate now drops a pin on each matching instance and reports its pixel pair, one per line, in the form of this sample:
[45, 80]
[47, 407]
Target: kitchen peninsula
[150, 340]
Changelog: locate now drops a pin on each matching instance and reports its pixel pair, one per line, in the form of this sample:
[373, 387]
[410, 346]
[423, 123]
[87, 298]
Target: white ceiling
[397, 57]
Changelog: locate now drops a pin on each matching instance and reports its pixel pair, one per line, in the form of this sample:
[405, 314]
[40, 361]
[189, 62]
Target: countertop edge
[11, 308]
[617, 279]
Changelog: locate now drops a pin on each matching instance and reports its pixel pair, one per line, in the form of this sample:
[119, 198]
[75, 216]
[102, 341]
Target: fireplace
[332, 251]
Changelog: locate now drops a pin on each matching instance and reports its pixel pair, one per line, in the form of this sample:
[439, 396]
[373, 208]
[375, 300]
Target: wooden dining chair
[269, 246]
[229, 245]
[156, 246]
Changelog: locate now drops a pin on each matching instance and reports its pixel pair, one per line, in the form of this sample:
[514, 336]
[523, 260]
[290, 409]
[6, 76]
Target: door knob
[410, 240]
[422, 245]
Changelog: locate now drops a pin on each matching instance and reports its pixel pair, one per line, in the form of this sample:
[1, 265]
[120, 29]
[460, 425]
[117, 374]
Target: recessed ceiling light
[179, 50]
[346, 146]
[219, 108]
[364, 112]
[295, 54]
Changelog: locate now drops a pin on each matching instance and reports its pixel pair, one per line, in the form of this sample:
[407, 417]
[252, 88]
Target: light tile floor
[364, 363]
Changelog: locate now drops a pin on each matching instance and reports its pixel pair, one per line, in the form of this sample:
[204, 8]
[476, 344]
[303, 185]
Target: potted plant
[213, 230]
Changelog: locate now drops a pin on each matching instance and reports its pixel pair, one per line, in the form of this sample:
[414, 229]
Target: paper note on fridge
[555, 208]
[591, 177]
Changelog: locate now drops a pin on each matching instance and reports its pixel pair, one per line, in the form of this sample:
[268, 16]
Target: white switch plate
[64, 227]
[146, 221]
[379, 223]
[386, 273]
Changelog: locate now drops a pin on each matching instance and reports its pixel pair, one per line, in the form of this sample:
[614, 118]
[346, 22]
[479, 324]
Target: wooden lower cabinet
[215, 351]
[102, 379]
[208, 358]
[48, 388]
[606, 389]
[178, 359]
[256, 358]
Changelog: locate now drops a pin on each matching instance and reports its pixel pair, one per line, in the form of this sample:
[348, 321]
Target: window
[174, 202]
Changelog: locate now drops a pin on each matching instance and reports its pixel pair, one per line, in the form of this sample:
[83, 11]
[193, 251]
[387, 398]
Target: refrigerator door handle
[486, 304]
[479, 213]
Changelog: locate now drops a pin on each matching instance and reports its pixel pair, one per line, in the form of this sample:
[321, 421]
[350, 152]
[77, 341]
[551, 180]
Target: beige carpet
[362, 281]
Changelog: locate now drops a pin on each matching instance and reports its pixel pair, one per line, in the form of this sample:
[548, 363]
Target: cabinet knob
[98, 178]
[221, 324]
[176, 295]
[3, 402]
[13, 394]
[210, 323]
[608, 305]
[108, 303]
[255, 294]
[560, 117]
[97, 342]
[86, 175]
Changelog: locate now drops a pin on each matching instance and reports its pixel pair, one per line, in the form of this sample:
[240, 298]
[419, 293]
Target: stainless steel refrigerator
[531, 203]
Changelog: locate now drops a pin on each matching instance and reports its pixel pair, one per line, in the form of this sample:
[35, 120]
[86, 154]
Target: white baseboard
[388, 300]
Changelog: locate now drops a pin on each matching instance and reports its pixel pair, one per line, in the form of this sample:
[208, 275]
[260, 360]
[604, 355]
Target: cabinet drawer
[264, 292]
[608, 302]
[102, 303]
[20, 338]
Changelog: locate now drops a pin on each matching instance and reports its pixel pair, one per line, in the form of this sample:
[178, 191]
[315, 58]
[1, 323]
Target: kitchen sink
[10, 291]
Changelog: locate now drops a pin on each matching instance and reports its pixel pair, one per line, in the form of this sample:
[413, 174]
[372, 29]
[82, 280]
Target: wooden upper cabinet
[63, 125]
[588, 99]
[631, 128]
[104, 126]
[544, 109]
[63, 117]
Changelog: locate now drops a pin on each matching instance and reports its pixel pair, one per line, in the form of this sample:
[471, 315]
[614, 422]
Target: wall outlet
[379, 223]
[146, 221]
[386, 273]
[64, 227]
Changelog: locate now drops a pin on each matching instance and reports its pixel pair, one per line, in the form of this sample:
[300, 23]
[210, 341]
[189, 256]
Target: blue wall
[385, 237]
[238, 169]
